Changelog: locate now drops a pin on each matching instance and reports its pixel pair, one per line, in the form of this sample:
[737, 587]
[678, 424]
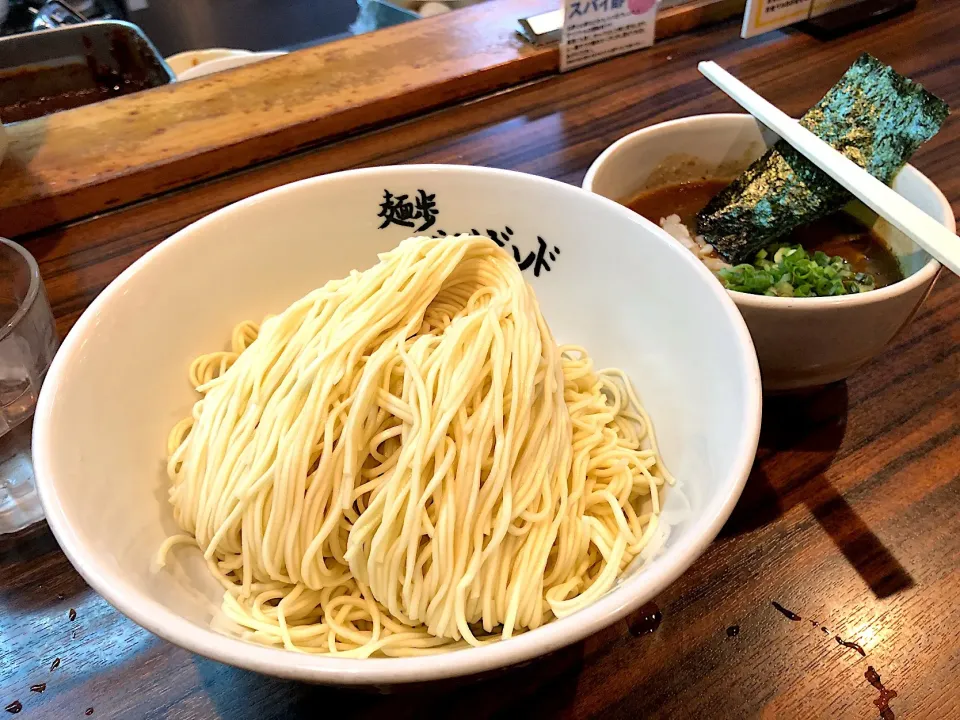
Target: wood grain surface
[74, 163]
[84, 161]
[850, 517]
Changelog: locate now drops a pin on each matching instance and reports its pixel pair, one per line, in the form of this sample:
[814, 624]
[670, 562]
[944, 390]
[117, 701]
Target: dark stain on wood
[788, 614]
[851, 645]
[645, 620]
[886, 694]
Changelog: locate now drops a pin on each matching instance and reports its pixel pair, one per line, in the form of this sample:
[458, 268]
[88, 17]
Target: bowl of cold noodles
[823, 296]
[398, 424]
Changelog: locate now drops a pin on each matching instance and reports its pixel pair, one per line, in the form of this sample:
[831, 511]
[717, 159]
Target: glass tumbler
[28, 341]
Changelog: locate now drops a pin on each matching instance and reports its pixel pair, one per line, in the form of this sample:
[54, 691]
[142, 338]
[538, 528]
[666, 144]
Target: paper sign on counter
[765, 15]
[595, 30]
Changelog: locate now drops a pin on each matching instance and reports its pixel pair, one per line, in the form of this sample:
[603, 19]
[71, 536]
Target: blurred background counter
[82, 161]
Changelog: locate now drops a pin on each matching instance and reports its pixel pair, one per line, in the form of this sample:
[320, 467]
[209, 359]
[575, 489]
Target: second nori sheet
[873, 115]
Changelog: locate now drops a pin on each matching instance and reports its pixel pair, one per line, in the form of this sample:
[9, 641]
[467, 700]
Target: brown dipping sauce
[838, 234]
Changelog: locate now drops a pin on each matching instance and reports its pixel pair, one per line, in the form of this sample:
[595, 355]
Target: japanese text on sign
[595, 30]
[764, 15]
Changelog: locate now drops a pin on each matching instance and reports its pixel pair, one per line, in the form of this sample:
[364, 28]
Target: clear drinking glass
[28, 341]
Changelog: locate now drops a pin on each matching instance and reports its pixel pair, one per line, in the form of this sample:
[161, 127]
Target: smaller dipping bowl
[800, 342]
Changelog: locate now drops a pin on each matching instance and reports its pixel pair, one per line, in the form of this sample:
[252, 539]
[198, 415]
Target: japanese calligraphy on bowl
[401, 210]
[420, 211]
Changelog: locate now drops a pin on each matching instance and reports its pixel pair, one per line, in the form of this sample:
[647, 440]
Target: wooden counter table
[850, 519]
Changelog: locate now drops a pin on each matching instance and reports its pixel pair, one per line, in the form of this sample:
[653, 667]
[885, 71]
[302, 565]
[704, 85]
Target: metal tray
[51, 70]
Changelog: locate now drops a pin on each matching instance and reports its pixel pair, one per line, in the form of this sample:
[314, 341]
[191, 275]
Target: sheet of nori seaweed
[873, 115]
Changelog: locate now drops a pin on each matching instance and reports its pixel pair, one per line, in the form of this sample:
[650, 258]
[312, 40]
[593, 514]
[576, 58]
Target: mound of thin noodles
[404, 462]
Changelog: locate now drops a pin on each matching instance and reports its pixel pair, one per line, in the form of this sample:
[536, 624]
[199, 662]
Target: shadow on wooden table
[543, 688]
[798, 442]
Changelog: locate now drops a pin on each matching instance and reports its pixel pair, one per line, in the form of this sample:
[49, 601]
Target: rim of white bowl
[218, 51]
[921, 277]
[326, 669]
[228, 62]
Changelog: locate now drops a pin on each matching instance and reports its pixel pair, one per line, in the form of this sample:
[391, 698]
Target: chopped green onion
[794, 273]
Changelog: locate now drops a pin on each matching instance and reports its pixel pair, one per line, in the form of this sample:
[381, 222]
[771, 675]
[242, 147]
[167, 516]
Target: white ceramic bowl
[219, 64]
[189, 59]
[618, 286]
[801, 342]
